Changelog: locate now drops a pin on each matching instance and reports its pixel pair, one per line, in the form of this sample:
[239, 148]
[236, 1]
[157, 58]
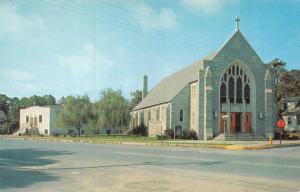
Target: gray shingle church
[227, 95]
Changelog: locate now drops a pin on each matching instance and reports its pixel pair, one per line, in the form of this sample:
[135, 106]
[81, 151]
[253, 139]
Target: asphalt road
[60, 166]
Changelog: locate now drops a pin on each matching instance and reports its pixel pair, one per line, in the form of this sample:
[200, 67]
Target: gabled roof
[238, 36]
[292, 112]
[170, 86]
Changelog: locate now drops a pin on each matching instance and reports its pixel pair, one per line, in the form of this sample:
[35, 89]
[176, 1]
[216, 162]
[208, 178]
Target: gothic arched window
[247, 93]
[235, 85]
[223, 93]
[239, 90]
[231, 89]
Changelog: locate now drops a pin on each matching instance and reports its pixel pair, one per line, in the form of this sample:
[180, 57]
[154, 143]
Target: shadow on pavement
[15, 166]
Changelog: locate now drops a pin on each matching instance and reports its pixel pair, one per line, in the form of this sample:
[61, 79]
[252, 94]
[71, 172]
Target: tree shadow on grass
[15, 166]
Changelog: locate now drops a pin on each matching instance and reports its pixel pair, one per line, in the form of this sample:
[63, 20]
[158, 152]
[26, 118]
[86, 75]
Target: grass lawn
[123, 139]
[113, 138]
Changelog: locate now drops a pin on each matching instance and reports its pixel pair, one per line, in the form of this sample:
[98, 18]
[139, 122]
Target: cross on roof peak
[237, 20]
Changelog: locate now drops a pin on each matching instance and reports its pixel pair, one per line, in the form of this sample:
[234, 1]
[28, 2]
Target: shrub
[56, 134]
[140, 130]
[169, 133]
[185, 134]
[162, 137]
[192, 135]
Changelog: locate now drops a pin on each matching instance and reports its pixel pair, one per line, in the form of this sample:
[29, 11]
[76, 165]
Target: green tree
[278, 67]
[13, 113]
[289, 85]
[76, 112]
[49, 100]
[4, 103]
[112, 109]
[24, 102]
[136, 98]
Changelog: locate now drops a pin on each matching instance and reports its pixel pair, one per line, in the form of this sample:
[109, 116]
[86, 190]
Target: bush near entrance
[169, 134]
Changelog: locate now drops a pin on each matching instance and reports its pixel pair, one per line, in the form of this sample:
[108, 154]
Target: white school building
[39, 120]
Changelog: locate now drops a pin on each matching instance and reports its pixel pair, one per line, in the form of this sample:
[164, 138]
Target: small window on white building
[27, 119]
[40, 119]
[289, 120]
[46, 131]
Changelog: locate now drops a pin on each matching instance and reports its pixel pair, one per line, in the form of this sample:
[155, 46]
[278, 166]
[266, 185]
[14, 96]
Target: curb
[260, 147]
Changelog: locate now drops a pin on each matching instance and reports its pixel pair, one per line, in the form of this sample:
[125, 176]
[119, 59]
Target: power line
[115, 20]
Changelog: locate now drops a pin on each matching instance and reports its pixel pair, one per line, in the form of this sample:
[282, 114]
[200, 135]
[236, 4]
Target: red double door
[236, 122]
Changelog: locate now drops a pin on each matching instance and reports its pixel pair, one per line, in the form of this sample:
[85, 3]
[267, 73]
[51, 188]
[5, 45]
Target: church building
[226, 95]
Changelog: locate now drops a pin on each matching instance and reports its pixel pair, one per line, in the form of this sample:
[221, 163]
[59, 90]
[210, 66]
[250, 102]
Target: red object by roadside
[280, 124]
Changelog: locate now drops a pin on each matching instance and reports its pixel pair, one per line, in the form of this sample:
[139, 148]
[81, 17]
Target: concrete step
[219, 137]
[21, 131]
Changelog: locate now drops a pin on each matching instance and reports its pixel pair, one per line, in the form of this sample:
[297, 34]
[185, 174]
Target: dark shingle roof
[170, 86]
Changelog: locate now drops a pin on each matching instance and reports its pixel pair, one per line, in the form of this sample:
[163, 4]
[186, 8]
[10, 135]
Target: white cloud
[16, 75]
[12, 22]
[20, 82]
[87, 61]
[147, 17]
[205, 6]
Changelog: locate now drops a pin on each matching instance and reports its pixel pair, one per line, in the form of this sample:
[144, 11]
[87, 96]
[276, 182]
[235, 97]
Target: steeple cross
[237, 20]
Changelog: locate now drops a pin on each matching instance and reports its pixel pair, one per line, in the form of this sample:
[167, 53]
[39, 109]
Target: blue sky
[64, 47]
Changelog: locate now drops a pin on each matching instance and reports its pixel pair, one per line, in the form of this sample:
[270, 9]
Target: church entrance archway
[236, 86]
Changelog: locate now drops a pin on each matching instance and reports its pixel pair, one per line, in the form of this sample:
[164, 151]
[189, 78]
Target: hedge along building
[226, 94]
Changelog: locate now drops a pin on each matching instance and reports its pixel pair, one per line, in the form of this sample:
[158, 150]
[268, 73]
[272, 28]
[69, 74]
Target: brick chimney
[145, 86]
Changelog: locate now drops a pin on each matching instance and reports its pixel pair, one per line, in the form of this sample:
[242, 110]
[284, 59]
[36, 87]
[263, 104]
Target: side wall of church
[181, 102]
[156, 118]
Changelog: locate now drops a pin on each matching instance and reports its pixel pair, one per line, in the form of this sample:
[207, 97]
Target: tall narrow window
[223, 93]
[40, 118]
[247, 93]
[149, 115]
[35, 122]
[157, 114]
[31, 122]
[27, 119]
[231, 90]
[181, 116]
[239, 90]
